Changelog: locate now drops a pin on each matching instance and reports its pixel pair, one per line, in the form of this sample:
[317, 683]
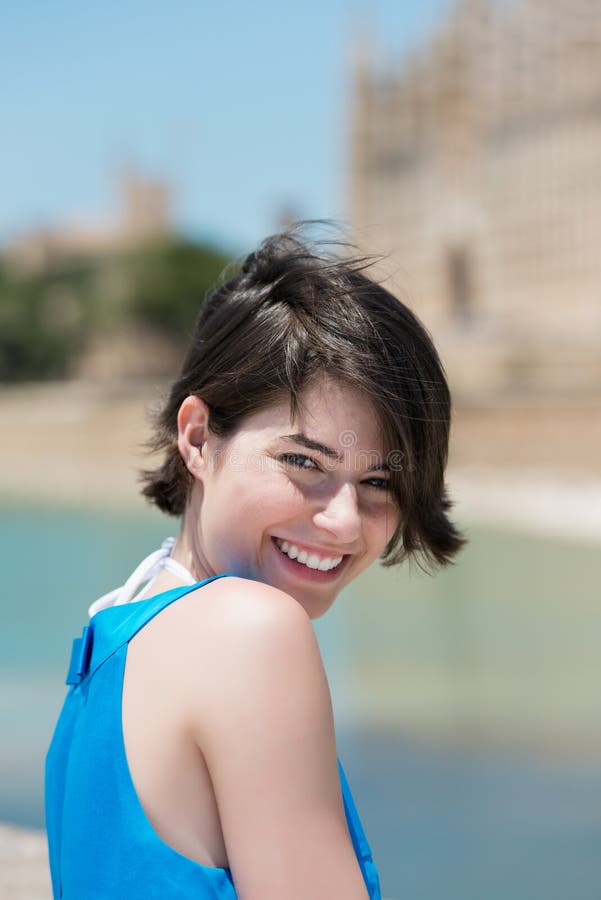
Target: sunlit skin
[264, 483]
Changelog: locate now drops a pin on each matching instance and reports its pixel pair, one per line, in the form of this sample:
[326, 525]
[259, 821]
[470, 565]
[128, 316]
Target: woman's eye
[306, 463]
[382, 484]
[298, 460]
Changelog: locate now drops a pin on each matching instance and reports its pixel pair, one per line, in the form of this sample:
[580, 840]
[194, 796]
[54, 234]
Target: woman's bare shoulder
[239, 643]
[234, 605]
[238, 623]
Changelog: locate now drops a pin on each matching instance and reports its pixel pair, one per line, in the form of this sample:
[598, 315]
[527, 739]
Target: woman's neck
[188, 550]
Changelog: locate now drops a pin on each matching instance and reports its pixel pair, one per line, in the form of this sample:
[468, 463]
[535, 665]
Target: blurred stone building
[476, 166]
[144, 213]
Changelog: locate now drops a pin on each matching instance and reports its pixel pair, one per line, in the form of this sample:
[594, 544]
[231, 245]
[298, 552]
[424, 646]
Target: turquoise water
[467, 706]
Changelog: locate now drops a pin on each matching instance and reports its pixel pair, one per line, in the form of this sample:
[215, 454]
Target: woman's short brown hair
[293, 313]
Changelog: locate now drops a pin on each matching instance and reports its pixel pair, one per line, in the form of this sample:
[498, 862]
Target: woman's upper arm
[265, 727]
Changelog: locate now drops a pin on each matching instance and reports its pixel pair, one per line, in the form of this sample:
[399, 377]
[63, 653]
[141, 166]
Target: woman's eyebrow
[310, 444]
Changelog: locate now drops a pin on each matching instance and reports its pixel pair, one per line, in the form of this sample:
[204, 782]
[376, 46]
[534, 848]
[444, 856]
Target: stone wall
[473, 167]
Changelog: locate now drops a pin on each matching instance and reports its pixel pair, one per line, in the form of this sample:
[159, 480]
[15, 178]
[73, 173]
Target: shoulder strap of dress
[114, 626]
[360, 843]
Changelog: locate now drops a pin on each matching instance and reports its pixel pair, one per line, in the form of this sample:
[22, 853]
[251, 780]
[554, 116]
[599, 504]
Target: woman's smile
[315, 558]
[307, 564]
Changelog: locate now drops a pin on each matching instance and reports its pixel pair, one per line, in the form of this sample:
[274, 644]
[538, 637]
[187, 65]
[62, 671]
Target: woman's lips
[300, 570]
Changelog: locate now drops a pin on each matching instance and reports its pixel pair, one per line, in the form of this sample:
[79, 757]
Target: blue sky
[242, 107]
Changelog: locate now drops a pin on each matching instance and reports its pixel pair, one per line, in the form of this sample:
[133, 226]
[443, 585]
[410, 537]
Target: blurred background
[144, 148]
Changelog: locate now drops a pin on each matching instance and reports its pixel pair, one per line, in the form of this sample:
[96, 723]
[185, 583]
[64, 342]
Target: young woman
[305, 437]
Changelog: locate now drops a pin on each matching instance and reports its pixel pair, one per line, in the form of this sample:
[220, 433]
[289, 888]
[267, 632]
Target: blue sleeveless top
[101, 844]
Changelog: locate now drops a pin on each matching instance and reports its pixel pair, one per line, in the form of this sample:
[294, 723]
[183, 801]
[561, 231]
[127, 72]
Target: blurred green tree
[168, 282]
[48, 317]
[44, 320]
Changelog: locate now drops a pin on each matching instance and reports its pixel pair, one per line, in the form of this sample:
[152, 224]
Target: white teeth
[312, 561]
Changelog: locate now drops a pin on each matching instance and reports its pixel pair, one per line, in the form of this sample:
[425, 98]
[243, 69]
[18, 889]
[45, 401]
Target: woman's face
[301, 505]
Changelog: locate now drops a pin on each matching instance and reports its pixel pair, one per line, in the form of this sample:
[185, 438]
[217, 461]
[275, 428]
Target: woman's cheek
[380, 521]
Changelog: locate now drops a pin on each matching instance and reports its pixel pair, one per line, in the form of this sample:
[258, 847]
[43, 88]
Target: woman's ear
[192, 431]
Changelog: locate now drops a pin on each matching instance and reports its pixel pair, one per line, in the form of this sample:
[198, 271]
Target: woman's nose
[340, 515]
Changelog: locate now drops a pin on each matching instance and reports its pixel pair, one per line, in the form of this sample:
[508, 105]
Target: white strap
[139, 579]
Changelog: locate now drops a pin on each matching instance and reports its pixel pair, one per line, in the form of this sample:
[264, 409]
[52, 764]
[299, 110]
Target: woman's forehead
[328, 412]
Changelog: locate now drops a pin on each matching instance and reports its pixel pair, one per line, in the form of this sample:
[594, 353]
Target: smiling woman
[305, 437]
[325, 507]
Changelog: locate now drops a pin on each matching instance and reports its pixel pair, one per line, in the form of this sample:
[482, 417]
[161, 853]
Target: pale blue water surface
[468, 706]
